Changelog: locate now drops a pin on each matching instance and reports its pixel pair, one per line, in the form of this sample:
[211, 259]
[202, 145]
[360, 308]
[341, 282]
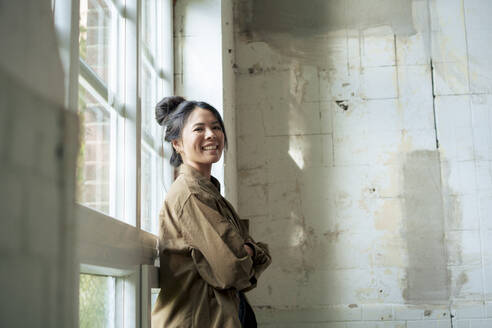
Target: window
[151, 90]
[95, 172]
[150, 87]
[117, 55]
[101, 36]
[97, 301]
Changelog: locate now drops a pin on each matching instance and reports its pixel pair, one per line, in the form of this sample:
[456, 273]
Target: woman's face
[202, 140]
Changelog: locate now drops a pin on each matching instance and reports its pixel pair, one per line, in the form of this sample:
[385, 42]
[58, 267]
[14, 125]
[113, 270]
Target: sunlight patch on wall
[298, 236]
[296, 151]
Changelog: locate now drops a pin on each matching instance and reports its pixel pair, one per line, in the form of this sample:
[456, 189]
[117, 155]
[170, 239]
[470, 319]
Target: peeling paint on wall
[427, 278]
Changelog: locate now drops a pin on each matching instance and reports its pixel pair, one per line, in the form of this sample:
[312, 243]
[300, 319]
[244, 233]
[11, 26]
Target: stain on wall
[424, 229]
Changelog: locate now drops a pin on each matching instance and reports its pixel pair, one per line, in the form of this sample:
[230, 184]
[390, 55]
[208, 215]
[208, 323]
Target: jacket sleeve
[217, 247]
[261, 259]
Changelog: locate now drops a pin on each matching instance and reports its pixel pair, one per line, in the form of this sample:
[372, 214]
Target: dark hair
[172, 114]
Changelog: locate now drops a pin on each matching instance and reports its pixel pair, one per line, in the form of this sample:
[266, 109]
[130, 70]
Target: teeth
[210, 147]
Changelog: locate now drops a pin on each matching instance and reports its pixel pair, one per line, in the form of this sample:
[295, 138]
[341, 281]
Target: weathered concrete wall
[365, 160]
[38, 148]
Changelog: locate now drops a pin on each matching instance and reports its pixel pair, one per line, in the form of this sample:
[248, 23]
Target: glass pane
[97, 296]
[154, 294]
[93, 166]
[149, 81]
[149, 12]
[149, 92]
[96, 37]
[152, 190]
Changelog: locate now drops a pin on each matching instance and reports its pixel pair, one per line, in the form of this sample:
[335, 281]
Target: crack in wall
[451, 316]
[396, 67]
[434, 102]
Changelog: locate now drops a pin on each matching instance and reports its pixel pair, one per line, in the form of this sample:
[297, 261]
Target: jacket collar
[213, 184]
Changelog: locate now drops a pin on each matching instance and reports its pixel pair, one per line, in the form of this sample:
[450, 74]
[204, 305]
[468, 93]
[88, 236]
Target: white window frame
[107, 246]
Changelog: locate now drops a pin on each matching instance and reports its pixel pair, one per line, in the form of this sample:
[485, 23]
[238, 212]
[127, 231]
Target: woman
[207, 258]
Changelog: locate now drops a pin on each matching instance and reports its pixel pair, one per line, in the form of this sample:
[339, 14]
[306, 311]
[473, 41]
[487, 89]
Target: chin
[210, 160]
[215, 160]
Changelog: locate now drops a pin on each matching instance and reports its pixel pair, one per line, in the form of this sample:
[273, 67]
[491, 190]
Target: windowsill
[107, 242]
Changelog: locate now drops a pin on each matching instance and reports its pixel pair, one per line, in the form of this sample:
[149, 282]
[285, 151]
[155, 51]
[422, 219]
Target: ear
[177, 145]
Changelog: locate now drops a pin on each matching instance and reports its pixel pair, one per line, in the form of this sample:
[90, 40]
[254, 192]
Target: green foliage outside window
[96, 301]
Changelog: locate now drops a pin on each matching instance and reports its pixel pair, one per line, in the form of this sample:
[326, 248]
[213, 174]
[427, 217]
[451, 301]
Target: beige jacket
[203, 263]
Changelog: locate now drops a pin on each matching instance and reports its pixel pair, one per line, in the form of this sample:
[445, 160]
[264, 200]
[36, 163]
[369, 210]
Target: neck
[204, 169]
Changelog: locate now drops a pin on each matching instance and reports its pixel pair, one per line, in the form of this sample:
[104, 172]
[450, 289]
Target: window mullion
[166, 52]
[150, 280]
[118, 74]
[132, 116]
[132, 299]
[120, 302]
[91, 77]
[113, 172]
[155, 195]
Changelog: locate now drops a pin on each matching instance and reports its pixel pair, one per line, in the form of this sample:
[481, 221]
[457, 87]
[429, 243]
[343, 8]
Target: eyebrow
[202, 124]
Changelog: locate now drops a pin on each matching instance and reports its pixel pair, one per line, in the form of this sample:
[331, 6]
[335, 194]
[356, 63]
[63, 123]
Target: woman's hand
[249, 250]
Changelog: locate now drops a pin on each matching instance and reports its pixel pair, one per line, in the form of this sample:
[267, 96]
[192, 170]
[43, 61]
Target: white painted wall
[204, 56]
[370, 223]
[38, 147]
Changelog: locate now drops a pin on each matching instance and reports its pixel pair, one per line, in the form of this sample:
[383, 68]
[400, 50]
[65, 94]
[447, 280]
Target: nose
[209, 134]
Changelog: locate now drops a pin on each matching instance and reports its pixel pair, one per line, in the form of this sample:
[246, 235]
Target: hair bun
[165, 107]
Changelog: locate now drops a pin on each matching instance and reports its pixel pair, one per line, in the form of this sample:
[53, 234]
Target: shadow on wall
[280, 161]
[301, 31]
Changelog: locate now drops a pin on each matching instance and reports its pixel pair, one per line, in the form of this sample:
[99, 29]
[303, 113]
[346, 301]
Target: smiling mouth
[211, 147]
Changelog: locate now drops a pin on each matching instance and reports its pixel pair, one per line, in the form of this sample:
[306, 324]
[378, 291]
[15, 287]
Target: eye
[217, 127]
[198, 129]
